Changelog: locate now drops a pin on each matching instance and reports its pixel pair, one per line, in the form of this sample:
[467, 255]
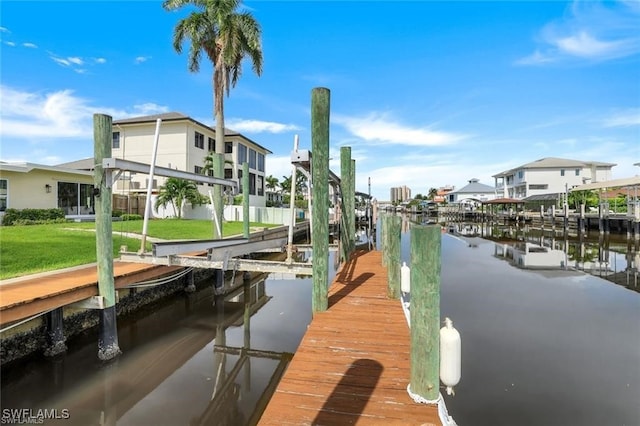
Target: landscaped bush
[32, 216]
[131, 217]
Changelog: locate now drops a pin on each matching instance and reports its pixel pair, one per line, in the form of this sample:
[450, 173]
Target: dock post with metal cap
[108, 332]
[320, 194]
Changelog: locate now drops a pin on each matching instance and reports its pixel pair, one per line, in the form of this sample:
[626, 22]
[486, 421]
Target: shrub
[32, 216]
[131, 217]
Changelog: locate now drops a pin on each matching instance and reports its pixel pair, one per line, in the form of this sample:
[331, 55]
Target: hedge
[32, 216]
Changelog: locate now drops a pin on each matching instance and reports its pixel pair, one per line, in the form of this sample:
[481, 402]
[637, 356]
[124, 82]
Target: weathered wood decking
[352, 366]
[30, 295]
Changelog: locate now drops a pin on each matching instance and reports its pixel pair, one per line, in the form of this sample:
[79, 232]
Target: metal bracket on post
[114, 179]
[93, 302]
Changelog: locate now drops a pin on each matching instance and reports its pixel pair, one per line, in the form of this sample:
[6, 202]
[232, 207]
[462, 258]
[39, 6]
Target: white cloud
[380, 129]
[55, 115]
[75, 60]
[593, 30]
[257, 126]
[100, 60]
[4, 30]
[30, 45]
[10, 43]
[141, 59]
[149, 108]
[61, 61]
[626, 118]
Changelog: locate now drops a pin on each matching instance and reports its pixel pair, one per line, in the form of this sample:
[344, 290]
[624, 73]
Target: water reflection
[611, 257]
[194, 359]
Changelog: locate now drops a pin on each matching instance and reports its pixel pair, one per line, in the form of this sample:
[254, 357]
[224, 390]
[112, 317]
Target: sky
[425, 93]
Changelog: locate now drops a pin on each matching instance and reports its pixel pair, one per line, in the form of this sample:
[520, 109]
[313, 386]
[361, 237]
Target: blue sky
[426, 93]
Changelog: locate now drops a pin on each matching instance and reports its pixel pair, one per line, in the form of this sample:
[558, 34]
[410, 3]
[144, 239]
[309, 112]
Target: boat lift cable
[25, 320]
[159, 281]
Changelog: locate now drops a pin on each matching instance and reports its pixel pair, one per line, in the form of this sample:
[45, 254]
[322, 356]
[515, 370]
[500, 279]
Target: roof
[615, 183]
[178, 116]
[27, 167]
[556, 163]
[504, 201]
[542, 197]
[475, 187]
[83, 164]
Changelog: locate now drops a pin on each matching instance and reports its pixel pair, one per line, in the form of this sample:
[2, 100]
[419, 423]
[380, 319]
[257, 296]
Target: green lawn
[38, 248]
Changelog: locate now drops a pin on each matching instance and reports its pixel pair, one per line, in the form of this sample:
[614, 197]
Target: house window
[4, 184]
[199, 140]
[260, 162]
[228, 147]
[212, 145]
[577, 172]
[228, 173]
[116, 140]
[252, 159]
[561, 172]
[252, 184]
[520, 174]
[242, 154]
[75, 198]
[260, 185]
[539, 186]
[239, 181]
[197, 170]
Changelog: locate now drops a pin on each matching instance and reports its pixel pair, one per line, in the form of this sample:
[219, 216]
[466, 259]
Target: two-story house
[548, 176]
[183, 144]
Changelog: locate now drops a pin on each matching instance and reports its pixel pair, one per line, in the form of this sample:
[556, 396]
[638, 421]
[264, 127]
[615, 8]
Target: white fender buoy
[450, 356]
[405, 278]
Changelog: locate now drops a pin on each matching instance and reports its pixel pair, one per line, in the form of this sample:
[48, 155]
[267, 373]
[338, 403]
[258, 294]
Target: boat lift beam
[133, 166]
[173, 247]
[234, 264]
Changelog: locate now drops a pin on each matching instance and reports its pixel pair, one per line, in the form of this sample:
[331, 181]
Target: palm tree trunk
[218, 107]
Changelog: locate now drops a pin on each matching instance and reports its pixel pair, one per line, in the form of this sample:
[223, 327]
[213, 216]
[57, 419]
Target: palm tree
[432, 193]
[272, 182]
[286, 184]
[226, 36]
[176, 191]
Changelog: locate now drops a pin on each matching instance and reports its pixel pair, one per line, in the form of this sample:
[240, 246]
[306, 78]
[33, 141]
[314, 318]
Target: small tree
[176, 191]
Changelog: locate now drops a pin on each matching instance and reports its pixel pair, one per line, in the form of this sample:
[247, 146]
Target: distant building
[549, 176]
[400, 194]
[442, 192]
[473, 193]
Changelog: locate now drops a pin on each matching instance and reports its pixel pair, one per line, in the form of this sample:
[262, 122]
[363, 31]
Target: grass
[38, 248]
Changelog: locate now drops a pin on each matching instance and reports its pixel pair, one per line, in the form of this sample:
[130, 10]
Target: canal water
[543, 342]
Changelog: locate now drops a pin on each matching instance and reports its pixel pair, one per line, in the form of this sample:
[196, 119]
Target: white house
[548, 176]
[472, 193]
[35, 186]
[183, 144]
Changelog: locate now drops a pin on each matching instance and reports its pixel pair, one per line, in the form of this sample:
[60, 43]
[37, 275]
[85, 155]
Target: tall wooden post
[345, 189]
[384, 232]
[394, 229]
[320, 98]
[218, 171]
[245, 200]
[108, 333]
[425, 310]
[352, 203]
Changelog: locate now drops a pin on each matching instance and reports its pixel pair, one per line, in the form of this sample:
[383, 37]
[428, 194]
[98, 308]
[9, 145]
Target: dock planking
[30, 295]
[352, 366]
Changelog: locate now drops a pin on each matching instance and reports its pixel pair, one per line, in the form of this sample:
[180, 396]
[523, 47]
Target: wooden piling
[55, 341]
[245, 199]
[425, 311]
[394, 229]
[345, 189]
[352, 204]
[218, 171]
[320, 101]
[108, 332]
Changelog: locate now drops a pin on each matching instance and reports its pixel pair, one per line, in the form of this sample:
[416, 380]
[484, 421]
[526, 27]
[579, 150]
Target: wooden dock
[30, 295]
[352, 366]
